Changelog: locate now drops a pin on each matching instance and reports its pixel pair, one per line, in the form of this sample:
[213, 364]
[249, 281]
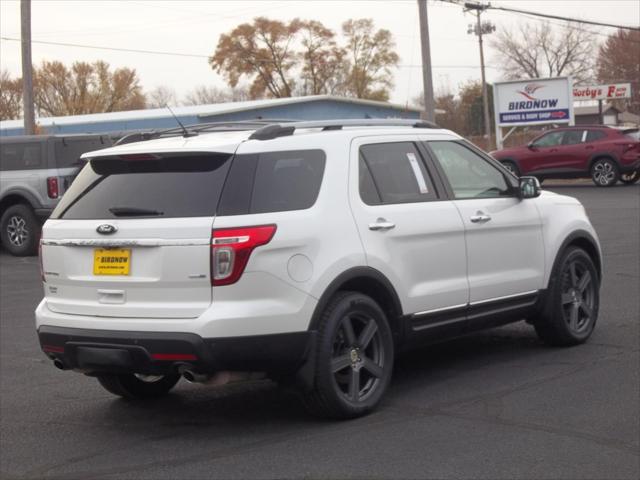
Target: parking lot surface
[493, 405]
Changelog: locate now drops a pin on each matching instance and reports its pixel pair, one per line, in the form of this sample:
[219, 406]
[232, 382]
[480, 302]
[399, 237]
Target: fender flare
[28, 196]
[600, 155]
[346, 276]
[581, 235]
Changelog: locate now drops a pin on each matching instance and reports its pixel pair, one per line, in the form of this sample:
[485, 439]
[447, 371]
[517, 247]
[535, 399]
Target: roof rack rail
[276, 130]
[229, 126]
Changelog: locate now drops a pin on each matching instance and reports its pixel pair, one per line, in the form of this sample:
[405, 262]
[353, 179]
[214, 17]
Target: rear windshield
[68, 150]
[143, 187]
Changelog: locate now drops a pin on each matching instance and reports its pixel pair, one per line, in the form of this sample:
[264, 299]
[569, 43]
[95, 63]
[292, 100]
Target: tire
[605, 173]
[138, 387]
[20, 230]
[630, 178]
[571, 311]
[351, 379]
[511, 166]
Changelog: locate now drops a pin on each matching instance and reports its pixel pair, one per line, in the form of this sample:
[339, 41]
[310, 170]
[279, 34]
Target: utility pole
[427, 78]
[27, 68]
[479, 29]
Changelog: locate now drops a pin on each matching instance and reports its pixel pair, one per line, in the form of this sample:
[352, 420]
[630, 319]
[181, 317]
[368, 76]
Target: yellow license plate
[111, 261]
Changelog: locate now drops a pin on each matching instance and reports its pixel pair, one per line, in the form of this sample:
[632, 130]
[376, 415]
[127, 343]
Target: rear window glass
[174, 186]
[593, 135]
[21, 156]
[273, 182]
[68, 151]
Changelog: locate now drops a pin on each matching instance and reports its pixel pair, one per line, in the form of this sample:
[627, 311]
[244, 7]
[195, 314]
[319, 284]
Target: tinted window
[469, 174]
[572, 137]
[67, 151]
[393, 173]
[21, 156]
[549, 140]
[175, 186]
[273, 182]
[593, 135]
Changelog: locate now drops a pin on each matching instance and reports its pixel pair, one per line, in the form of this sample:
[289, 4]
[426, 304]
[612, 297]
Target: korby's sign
[535, 101]
[602, 92]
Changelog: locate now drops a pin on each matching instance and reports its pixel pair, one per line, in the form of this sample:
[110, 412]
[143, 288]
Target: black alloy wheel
[354, 358]
[573, 298]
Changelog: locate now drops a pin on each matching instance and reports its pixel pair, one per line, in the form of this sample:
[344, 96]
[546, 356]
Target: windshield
[187, 185]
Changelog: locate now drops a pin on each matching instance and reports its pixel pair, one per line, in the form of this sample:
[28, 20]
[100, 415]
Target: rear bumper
[95, 351]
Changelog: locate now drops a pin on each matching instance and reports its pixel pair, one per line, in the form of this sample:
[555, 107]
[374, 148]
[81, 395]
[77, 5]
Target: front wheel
[135, 386]
[604, 173]
[630, 178]
[571, 310]
[354, 358]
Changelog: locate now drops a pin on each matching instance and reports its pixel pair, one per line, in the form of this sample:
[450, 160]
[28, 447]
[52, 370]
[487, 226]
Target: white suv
[310, 251]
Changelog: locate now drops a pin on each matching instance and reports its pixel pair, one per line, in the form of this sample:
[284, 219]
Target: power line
[566, 19]
[190, 55]
[543, 15]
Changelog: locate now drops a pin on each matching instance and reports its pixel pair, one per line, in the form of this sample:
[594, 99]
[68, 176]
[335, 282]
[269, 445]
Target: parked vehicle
[310, 252]
[35, 171]
[605, 154]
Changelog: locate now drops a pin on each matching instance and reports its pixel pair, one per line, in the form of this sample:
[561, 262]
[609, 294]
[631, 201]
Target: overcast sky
[193, 27]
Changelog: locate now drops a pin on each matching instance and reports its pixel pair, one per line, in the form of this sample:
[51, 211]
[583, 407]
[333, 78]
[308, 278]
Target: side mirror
[529, 187]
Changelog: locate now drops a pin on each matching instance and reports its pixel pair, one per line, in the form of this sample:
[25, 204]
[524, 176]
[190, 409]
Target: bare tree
[162, 96]
[10, 96]
[537, 51]
[619, 61]
[262, 51]
[371, 56]
[204, 95]
[324, 66]
[85, 88]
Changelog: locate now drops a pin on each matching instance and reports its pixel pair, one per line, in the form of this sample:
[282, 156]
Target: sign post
[538, 101]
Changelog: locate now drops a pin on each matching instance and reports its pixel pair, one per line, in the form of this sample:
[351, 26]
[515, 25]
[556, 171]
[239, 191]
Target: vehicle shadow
[252, 404]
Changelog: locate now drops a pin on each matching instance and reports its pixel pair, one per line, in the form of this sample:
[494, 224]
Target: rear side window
[143, 187]
[572, 137]
[273, 182]
[593, 135]
[21, 156]
[68, 151]
[393, 173]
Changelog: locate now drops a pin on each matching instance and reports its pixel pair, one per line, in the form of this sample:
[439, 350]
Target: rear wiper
[133, 212]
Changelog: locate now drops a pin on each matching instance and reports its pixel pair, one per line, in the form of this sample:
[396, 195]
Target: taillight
[231, 248]
[52, 187]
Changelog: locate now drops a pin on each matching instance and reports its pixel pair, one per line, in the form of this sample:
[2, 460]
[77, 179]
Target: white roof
[197, 110]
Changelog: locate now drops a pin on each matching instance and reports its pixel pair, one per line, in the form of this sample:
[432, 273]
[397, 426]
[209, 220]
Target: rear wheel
[573, 299]
[354, 358]
[20, 230]
[604, 172]
[135, 386]
[630, 178]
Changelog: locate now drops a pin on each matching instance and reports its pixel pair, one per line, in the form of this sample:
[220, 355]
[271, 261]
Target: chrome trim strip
[479, 302]
[436, 310]
[112, 242]
[506, 297]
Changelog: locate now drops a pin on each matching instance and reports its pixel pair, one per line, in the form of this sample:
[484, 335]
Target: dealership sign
[602, 92]
[533, 102]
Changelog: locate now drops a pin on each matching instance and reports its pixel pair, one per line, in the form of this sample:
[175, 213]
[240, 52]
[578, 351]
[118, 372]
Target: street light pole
[427, 78]
[479, 30]
[27, 68]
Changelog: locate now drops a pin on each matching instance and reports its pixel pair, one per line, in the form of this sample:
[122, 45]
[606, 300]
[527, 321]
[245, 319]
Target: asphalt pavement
[493, 405]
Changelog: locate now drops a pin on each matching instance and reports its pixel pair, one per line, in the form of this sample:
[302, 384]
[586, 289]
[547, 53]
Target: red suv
[606, 154]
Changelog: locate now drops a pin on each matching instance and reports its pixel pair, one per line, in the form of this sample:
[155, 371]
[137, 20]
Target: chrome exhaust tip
[58, 364]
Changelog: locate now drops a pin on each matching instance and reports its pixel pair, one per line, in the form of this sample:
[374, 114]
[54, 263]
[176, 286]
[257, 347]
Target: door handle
[381, 224]
[589, 147]
[480, 217]
[553, 150]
